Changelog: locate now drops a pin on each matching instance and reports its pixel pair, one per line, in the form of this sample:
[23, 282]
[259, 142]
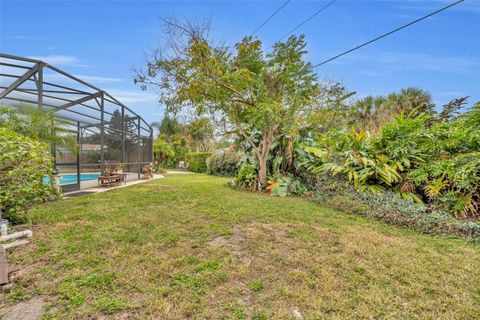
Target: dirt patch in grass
[242, 244]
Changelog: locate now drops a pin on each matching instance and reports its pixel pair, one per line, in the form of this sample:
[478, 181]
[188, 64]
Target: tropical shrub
[286, 185]
[163, 151]
[424, 158]
[197, 161]
[452, 184]
[287, 174]
[392, 208]
[38, 125]
[169, 153]
[451, 178]
[24, 163]
[247, 177]
[225, 164]
[352, 154]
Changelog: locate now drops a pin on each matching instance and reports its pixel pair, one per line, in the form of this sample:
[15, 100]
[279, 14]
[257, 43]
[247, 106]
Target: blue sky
[102, 41]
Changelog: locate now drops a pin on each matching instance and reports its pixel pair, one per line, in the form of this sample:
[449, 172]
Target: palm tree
[411, 99]
[369, 113]
[39, 125]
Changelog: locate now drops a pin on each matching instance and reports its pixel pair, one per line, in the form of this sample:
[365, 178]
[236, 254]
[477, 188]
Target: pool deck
[94, 188]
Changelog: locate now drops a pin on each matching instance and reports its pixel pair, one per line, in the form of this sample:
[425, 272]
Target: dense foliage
[176, 139]
[197, 161]
[423, 158]
[24, 162]
[38, 125]
[224, 164]
[169, 152]
[392, 208]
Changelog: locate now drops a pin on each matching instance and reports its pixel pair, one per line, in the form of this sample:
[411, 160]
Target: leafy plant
[423, 157]
[392, 208]
[286, 185]
[225, 164]
[452, 183]
[177, 139]
[197, 161]
[247, 177]
[39, 125]
[24, 162]
[352, 154]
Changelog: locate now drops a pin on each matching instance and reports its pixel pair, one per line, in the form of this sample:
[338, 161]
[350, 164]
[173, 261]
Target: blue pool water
[72, 178]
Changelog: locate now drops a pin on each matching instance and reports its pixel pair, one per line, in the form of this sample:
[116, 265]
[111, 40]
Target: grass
[187, 246]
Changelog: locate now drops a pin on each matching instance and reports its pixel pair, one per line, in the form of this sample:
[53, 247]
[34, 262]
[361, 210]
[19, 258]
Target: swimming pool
[72, 178]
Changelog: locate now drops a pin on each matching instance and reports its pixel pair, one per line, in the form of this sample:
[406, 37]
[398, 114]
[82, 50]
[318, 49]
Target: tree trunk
[262, 173]
[267, 139]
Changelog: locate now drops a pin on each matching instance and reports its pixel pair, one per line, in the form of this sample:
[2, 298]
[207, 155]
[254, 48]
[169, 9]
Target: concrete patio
[92, 186]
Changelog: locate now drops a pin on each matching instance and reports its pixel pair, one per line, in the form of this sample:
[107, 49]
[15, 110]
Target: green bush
[392, 208]
[282, 186]
[169, 153]
[247, 178]
[225, 164]
[197, 161]
[420, 157]
[23, 164]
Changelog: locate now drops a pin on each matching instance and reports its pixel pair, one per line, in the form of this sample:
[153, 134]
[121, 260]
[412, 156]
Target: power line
[387, 34]
[308, 19]
[271, 16]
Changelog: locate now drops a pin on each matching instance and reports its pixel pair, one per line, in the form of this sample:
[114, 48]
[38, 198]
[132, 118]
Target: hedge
[225, 164]
[24, 163]
[197, 161]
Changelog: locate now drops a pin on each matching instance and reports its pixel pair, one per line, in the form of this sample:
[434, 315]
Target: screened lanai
[109, 134]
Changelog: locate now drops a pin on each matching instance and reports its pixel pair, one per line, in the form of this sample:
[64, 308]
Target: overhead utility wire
[308, 19]
[271, 16]
[387, 34]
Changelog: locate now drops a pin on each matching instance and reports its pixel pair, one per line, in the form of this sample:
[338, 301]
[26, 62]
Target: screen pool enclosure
[109, 134]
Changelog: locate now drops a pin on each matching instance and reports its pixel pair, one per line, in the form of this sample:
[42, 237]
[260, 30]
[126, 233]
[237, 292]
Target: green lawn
[187, 246]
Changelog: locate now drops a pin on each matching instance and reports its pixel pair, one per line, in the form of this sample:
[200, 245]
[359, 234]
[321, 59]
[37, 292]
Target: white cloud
[24, 37]
[132, 96]
[60, 60]
[93, 79]
[97, 78]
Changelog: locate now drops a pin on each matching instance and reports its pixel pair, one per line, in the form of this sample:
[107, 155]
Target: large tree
[254, 90]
